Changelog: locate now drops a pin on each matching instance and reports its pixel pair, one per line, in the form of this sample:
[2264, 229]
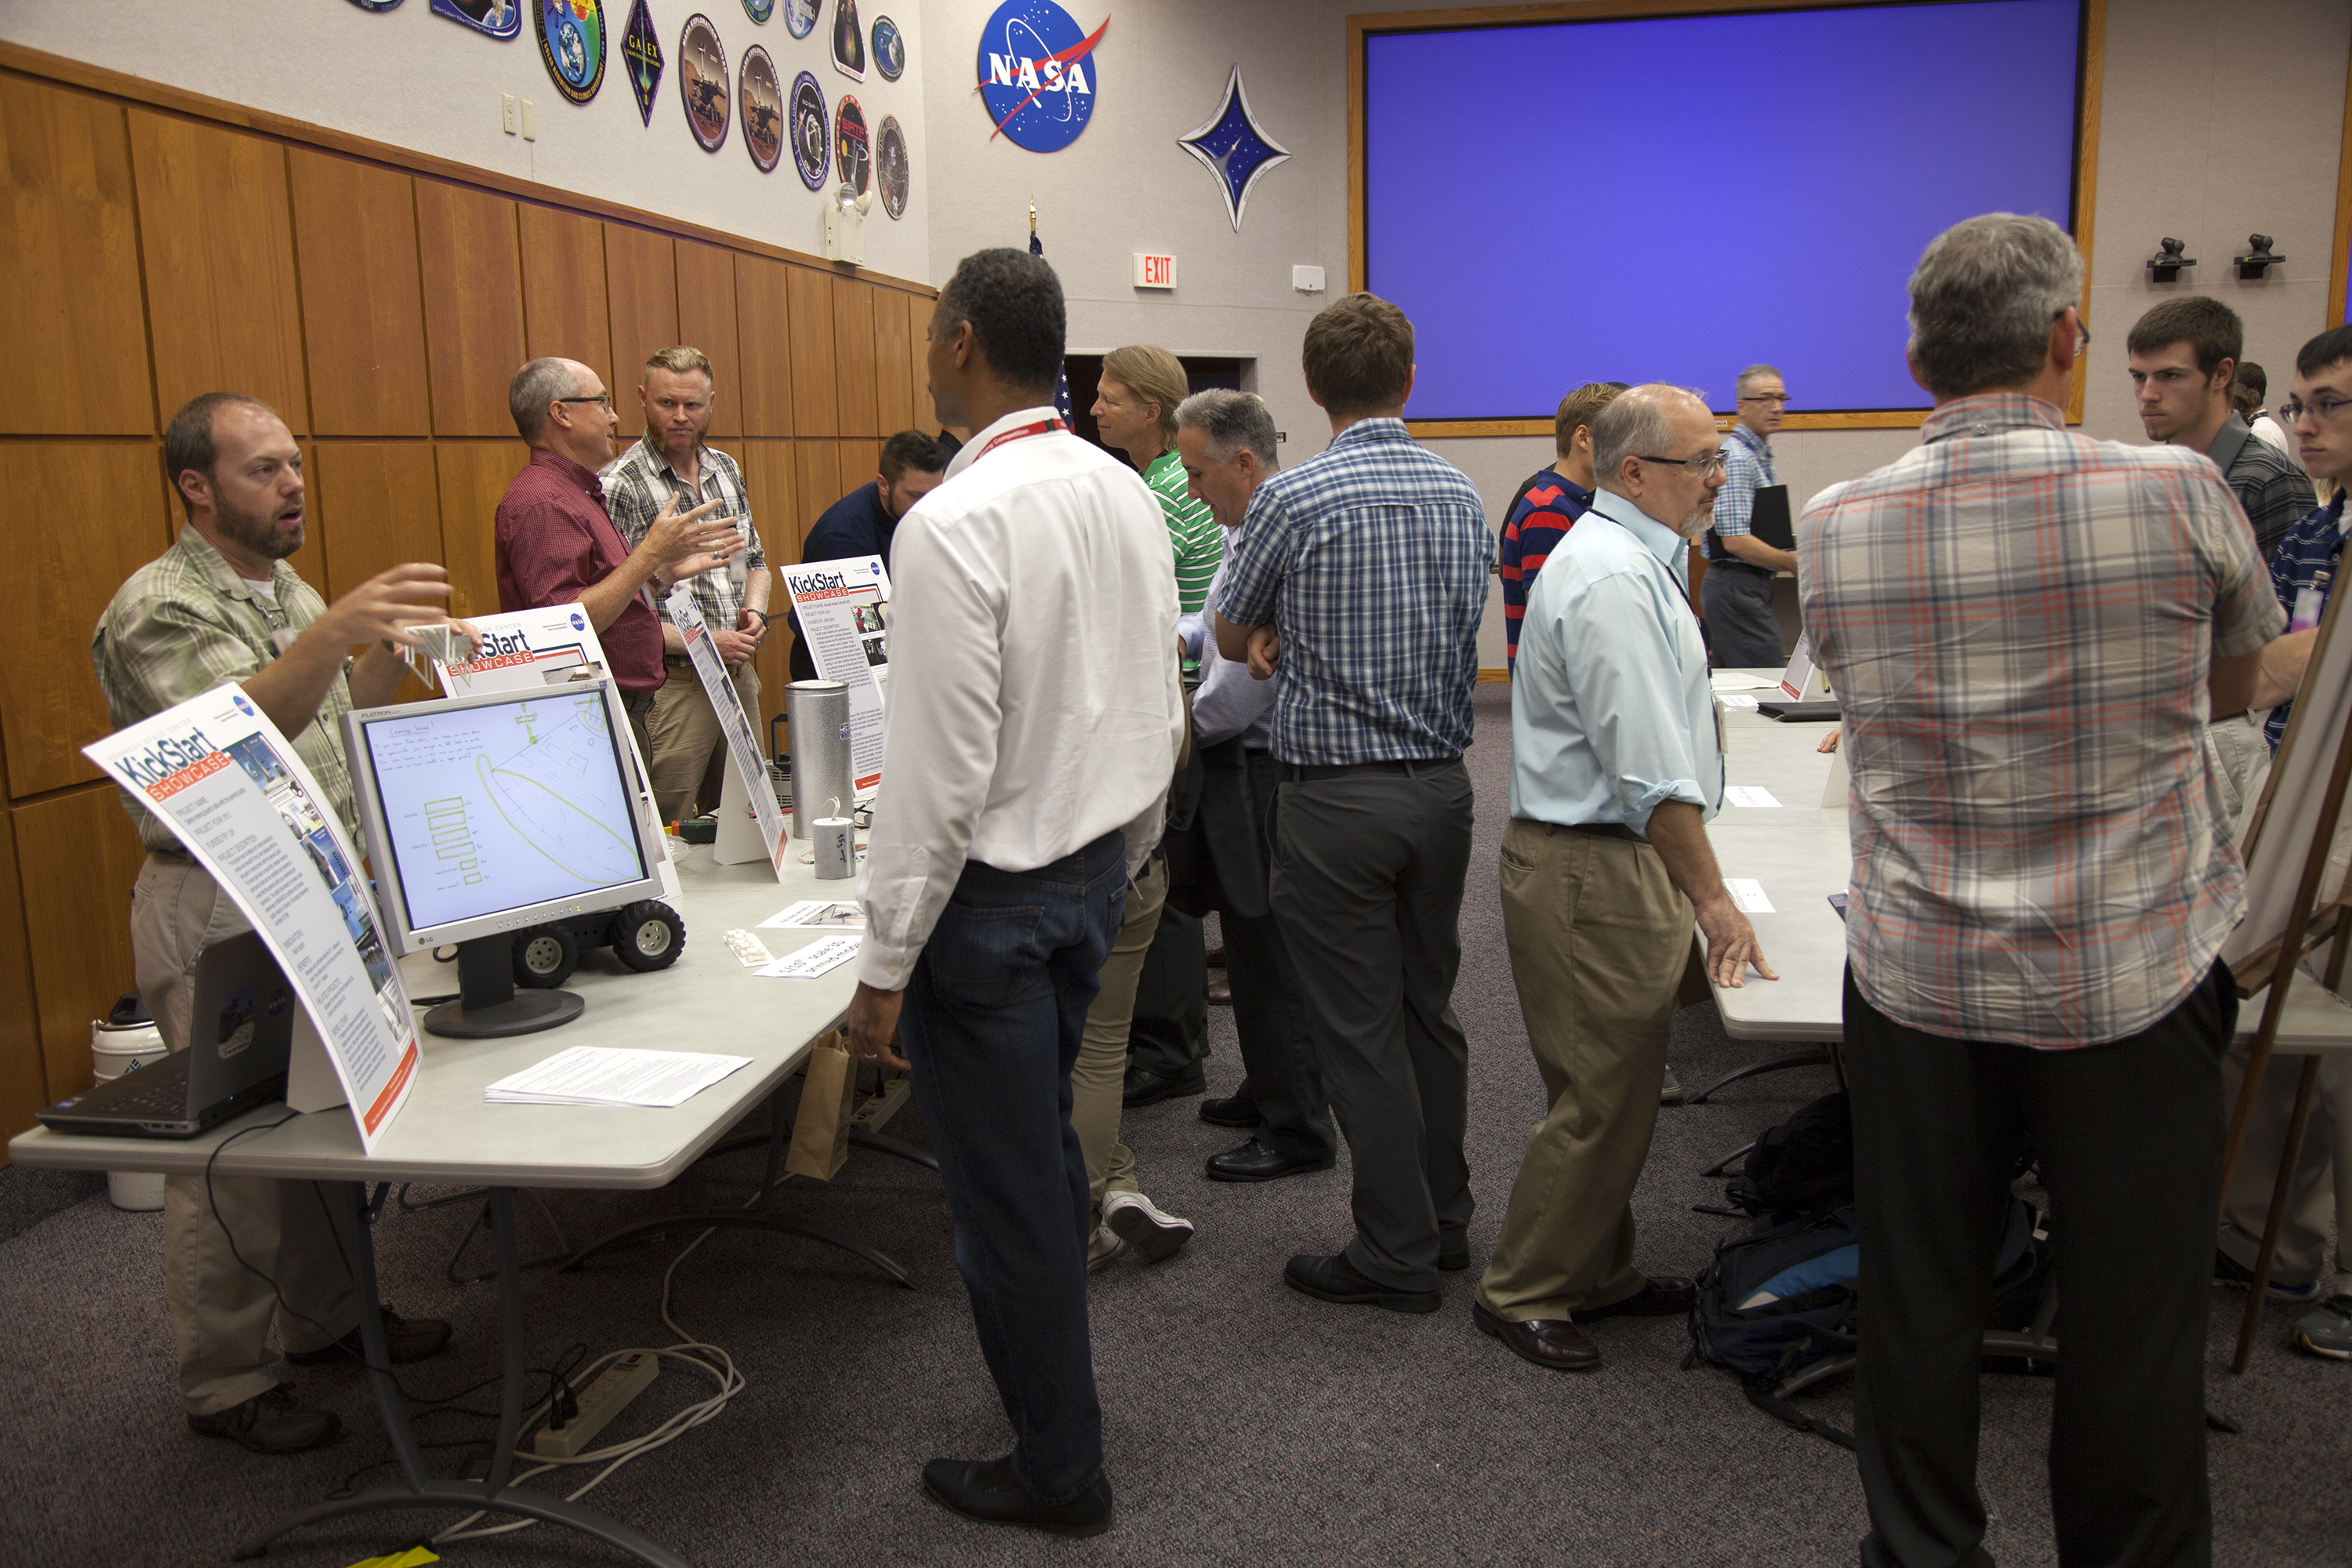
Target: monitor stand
[488, 1004]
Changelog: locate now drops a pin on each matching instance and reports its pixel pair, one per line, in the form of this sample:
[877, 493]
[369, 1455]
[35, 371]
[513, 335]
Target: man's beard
[257, 531]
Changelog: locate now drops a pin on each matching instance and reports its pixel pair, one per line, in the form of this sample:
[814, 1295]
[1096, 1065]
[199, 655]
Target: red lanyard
[1039, 428]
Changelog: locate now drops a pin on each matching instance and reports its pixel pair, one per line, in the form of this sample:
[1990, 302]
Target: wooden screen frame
[2092, 41]
[2338, 277]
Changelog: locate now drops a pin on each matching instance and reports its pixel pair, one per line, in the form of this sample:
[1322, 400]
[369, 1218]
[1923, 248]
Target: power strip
[598, 1403]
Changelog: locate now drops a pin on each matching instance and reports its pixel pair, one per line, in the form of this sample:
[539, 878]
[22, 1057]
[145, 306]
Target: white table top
[707, 1001]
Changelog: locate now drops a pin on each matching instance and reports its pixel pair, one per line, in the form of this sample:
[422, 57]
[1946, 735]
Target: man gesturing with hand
[1615, 767]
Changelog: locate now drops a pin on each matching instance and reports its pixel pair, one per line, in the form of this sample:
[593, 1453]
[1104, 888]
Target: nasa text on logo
[892, 172]
[852, 152]
[1037, 74]
[572, 42]
[243, 706]
[579, 622]
[811, 134]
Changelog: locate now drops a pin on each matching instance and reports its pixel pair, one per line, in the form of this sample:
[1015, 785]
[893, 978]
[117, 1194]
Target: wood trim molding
[1361, 25]
[17, 59]
[1489, 675]
[2338, 277]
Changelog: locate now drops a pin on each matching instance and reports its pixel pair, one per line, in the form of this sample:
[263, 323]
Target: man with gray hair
[1225, 441]
[1741, 629]
[1615, 768]
[2028, 629]
[556, 542]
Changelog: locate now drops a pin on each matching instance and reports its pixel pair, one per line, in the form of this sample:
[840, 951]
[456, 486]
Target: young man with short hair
[865, 521]
[2184, 355]
[1549, 504]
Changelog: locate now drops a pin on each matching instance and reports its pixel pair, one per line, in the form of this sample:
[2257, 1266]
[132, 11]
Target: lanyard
[1054, 423]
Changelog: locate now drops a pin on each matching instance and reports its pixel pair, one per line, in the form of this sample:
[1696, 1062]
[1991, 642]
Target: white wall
[417, 80]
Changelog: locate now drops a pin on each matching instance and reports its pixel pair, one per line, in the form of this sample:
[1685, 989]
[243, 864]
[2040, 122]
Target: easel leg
[2305, 1090]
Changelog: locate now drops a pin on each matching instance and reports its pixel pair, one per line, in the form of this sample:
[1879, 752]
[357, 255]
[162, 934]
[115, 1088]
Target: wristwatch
[761, 614]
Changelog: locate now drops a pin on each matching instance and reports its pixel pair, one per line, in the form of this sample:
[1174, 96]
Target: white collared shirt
[1035, 699]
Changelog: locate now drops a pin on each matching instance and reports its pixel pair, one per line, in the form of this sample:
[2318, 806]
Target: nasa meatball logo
[243, 706]
[1037, 74]
[579, 622]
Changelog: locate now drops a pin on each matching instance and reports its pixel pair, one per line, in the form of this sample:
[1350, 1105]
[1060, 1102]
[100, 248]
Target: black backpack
[1803, 1166]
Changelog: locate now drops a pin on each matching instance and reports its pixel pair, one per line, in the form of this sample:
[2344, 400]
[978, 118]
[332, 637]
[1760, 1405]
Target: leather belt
[1310, 773]
[1605, 830]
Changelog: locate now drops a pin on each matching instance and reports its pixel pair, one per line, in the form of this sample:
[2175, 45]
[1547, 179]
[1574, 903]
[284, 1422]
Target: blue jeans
[992, 1018]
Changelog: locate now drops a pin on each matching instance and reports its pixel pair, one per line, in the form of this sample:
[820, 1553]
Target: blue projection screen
[1674, 199]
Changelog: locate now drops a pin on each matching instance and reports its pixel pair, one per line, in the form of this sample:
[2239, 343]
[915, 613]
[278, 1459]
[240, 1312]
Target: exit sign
[1154, 271]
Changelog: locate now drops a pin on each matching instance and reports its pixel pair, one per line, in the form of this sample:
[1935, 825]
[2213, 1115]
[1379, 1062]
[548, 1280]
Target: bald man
[556, 542]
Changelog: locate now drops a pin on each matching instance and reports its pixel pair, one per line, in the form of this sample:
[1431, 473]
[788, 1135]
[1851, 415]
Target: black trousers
[1170, 1032]
[2129, 1137]
[1269, 1012]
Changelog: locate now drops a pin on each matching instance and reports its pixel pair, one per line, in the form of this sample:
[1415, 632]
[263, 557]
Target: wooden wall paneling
[919, 363]
[860, 461]
[70, 292]
[817, 470]
[380, 507]
[816, 400]
[706, 319]
[894, 394]
[764, 336]
[363, 297]
[473, 475]
[563, 289]
[472, 260]
[641, 287]
[24, 1077]
[853, 347]
[310, 563]
[67, 561]
[216, 240]
[79, 856]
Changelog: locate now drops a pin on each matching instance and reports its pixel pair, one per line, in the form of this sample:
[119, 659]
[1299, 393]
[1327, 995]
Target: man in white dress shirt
[1035, 716]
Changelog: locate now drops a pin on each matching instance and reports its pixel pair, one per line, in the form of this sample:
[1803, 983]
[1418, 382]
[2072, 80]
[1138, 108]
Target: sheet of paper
[1732, 680]
[1749, 795]
[1736, 699]
[750, 949]
[815, 959]
[1747, 895]
[742, 744]
[811, 912]
[845, 610]
[593, 1075]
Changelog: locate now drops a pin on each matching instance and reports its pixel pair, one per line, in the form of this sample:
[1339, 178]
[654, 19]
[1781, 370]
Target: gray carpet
[1244, 1422]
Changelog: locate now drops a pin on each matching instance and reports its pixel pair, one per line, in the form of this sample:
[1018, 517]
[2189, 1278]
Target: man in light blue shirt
[1616, 765]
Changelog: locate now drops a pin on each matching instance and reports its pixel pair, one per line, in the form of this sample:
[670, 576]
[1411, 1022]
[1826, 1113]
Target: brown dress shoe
[1662, 1296]
[1552, 1343]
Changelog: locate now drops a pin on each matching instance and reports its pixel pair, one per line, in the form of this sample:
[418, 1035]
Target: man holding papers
[1741, 629]
[221, 604]
[1034, 718]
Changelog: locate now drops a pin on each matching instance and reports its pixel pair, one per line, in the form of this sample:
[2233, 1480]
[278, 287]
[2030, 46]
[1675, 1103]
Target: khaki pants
[220, 1311]
[1098, 1077]
[2321, 1197]
[1599, 940]
[686, 752]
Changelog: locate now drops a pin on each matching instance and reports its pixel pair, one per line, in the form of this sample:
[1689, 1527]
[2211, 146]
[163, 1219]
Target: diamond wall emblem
[1232, 148]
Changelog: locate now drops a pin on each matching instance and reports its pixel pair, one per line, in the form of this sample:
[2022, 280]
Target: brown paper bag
[828, 1098]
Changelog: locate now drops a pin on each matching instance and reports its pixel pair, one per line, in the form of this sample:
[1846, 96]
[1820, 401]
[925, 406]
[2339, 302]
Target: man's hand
[676, 539]
[1830, 741]
[734, 647]
[1731, 945]
[873, 1025]
[386, 605]
[1265, 649]
[753, 624]
[2278, 674]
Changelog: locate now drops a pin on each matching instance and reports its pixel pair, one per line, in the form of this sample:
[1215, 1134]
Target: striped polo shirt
[1200, 543]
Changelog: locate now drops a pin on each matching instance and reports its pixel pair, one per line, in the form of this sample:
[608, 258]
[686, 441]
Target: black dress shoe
[1554, 1343]
[404, 1339]
[1237, 1110]
[1663, 1297]
[271, 1422]
[1454, 1262]
[987, 1491]
[1216, 956]
[1258, 1161]
[1221, 992]
[1144, 1087]
[1334, 1279]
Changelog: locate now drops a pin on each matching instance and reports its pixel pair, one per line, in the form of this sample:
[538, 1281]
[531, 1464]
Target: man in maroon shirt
[557, 544]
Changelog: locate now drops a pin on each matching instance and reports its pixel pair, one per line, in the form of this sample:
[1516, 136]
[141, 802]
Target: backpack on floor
[1802, 1167]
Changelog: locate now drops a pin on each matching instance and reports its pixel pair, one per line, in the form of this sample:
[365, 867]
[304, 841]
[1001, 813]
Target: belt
[1733, 562]
[1605, 830]
[680, 659]
[637, 701]
[1310, 773]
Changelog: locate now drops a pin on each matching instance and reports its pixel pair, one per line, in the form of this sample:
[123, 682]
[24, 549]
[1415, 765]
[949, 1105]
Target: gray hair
[1982, 301]
[538, 384]
[1230, 421]
[1754, 374]
[1635, 426]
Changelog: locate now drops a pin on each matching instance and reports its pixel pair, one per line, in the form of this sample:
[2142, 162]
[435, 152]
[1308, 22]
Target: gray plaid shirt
[640, 482]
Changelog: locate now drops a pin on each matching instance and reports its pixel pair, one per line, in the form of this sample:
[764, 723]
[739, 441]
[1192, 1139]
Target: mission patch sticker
[572, 42]
[892, 172]
[702, 77]
[853, 151]
[499, 18]
[641, 56]
[763, 104]
[811, 131]
[889, 49]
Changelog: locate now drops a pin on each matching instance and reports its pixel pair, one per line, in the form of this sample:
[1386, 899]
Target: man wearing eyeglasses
[556, 540]
[1616, 765]
[1741, 629]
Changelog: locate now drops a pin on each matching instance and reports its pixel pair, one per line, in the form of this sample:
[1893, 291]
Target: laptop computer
[1799, 713]
[242, 1025]
[1771, 521]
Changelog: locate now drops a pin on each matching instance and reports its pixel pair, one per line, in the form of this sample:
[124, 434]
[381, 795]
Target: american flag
[1061, 376]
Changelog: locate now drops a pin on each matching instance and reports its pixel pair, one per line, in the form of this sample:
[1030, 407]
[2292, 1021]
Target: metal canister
[818, 711]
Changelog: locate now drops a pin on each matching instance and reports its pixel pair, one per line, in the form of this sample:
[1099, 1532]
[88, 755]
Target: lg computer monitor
[486, 815]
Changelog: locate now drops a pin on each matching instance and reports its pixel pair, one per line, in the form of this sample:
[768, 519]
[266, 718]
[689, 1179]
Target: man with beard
[865, 521]
[221, 604]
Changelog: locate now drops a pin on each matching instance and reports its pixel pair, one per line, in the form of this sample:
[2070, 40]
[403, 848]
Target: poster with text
[218, 773]
[742, 742]
[845, 610]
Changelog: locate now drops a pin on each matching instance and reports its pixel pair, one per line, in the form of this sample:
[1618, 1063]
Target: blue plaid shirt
[1371, 560]
[2306, 563]
[1746, 467]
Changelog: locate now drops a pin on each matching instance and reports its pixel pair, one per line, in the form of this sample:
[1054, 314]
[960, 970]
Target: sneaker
[1670, 1092]
[404, 1339]
[271, 1422]
[1106, 1245]
[2228, 1271]
[2325, 1330]
[1152, 1231]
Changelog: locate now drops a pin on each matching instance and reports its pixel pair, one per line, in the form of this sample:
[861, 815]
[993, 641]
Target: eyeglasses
[1780, 398]
[1713, 462]
[2326, 408]
[605, 398]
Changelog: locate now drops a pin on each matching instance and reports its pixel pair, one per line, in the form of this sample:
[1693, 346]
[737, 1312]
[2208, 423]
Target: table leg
[421, 1489]
[1811, 1057]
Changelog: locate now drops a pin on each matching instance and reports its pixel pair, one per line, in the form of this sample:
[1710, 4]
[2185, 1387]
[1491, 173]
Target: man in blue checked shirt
[1741, 629]
[1364, 571]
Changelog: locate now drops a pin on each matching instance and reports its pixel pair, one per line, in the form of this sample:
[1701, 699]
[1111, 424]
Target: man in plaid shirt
[2028, 630]
[669, 463]
[1363, 571]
